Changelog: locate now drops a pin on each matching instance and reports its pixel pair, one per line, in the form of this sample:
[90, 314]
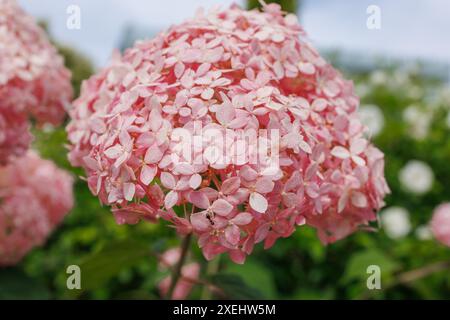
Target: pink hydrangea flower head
[189, 275]
[236, 117]
[33, 79]
[440, 223]
[29, 212]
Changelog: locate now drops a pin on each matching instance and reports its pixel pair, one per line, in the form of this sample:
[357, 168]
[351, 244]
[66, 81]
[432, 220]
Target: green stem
[176, 274]
[211, 268]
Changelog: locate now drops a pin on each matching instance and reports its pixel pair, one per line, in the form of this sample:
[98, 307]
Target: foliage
[286, 5]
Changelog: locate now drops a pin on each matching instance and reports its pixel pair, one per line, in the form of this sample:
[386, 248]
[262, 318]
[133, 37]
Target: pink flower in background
[15, 136]
[34, 198]
[440, 223]
[232, 81]
[189, 274]
[33, 79]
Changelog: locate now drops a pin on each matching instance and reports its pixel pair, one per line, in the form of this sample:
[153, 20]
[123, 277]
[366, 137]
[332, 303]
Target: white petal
[340, 152]
[258, 202]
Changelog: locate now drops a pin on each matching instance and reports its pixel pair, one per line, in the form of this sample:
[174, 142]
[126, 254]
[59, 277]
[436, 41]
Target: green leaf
[234, 287]
[14, 284]
[255, 275]
[357, 265]
[106, 264]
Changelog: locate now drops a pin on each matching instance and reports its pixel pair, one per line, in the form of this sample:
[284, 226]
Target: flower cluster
[223, 74]
[34, 198]
[440, 223]
[33, 79]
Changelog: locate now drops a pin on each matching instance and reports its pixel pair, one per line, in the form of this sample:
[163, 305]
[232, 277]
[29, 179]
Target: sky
[409, 29]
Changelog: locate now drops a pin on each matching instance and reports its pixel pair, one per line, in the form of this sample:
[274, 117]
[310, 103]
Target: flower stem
[211, 268]
[409, 277]
[176, 274]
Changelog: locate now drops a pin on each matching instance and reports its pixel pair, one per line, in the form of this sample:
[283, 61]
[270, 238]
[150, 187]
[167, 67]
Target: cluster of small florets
[34, 198]
[217, 77]
[33, 79]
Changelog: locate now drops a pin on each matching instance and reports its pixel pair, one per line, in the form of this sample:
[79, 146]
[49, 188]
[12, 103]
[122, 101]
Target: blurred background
[402, 75]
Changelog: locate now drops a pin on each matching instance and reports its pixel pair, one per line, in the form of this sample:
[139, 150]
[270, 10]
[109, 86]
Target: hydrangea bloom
[440, 223]
[33, 79]
[228, 82]
[25, 224]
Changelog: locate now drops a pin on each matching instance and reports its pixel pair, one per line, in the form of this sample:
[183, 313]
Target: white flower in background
[372, 116]
[400, 78]
[417, 177]
[418, 121]
[395, 222]
[423, 233]
[378, 77]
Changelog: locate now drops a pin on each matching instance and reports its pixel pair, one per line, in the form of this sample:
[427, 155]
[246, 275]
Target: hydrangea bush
[26, 224]
[34, 194]
[227, 82]
[33, 80]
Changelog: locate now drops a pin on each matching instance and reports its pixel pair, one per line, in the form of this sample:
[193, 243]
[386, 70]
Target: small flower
[372, 117]
[416, 177]
[395, 222]
[418, 121]
[440, 223]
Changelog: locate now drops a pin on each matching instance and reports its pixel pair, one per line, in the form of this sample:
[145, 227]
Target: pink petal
[221, 207]
[153, 155]
[359, 200]
[168, 180]
[207, 94]
[293, 182]
[148, 173]
[264, 185]
[262, 232]
[242, 219]
[225, 114]
[248, 173]
[358, 160]
[128, 191]
[230, 185]
[237, 256]
[184, 168]
[114, 152]
[312, 190]
[342, 203]
[258, 202]
[358, 145]
[199, 199]
[171, 199]
[319, 104]
[232, 234]
[340, 152]
[200, 222]
[195, 181]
